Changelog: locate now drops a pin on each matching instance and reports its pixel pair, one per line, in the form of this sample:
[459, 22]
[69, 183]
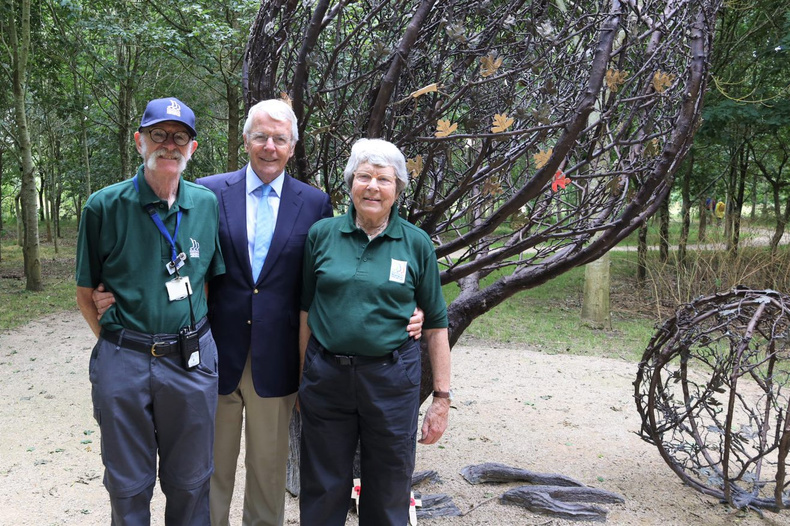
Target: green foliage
[21, 306]
[548, 317]
[96, 63]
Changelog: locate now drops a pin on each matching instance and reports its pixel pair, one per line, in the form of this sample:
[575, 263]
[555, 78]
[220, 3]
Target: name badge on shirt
[177, 288]
[398, 271]
[177, 264]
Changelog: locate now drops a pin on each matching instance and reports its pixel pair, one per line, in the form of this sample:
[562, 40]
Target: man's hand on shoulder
[414, 328]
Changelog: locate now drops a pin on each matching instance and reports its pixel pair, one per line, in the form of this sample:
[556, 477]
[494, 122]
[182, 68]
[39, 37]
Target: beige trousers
[266, 423]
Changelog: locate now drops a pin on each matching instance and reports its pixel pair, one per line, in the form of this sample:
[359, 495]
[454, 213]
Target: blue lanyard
[161, 226]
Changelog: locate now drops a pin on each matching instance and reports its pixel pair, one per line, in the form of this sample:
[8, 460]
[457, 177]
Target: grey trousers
[147, 406]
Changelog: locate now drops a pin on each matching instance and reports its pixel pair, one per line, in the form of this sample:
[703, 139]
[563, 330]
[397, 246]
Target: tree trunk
[735, 208]
[641, 256]
[20, 48]
[781, 223]
[663, 231]
[44, 200]
[596, 306]
[234, 117]
[126, 56]
[20, 231]
[53, 194]
[86, 159]
[2, 151]
[685, 211]
[704, 215]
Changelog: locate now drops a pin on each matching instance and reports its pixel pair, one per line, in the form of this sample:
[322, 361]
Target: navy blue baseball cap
[168, 109]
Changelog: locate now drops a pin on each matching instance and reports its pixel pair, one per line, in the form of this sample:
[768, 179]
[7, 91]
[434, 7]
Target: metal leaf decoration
[414, 166]
[489, 65]
[501, 123]
[542, 157]
[661, 81]
[445, 128]
[614, 79]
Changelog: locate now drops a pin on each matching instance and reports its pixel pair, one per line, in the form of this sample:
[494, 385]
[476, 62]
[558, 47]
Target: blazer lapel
[290, 205]
[234, 203]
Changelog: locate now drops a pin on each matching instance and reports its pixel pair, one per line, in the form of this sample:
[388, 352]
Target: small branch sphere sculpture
[712, 392]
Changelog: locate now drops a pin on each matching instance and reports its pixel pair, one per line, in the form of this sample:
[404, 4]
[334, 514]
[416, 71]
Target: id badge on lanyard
[179, 287]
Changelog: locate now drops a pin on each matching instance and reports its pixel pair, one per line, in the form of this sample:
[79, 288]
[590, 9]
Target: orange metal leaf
[542, 157]
[445, 128]
[661, 81]
[501, 123]
[614, 79]
[414, 166]
[559, 181]
[489, 65]
[427, 89]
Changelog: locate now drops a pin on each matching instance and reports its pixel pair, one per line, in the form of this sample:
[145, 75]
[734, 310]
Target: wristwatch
[444, 394]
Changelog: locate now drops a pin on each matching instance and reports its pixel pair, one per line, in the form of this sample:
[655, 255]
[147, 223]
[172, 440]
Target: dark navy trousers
[376, 403]
[147, 405]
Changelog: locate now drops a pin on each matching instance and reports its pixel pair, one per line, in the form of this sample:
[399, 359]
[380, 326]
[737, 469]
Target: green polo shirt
[119, 245]
[360, 294]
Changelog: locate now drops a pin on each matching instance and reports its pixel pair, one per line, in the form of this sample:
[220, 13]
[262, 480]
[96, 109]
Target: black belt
[155, 344]
[357, 359]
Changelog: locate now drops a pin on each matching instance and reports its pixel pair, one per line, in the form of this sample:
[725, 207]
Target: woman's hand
[435, 422]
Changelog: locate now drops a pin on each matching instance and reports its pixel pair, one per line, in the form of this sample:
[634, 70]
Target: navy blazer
[261, 318]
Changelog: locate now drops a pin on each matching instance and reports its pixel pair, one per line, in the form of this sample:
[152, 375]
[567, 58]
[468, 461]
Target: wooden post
[596, 303]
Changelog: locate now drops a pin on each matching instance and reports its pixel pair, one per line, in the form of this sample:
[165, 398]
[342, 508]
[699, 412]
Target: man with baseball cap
[153, 241]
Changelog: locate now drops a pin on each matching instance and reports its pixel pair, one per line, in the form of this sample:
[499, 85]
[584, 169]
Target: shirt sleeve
[217, 265]
[429, 292]
[308, 271]
[89, 263]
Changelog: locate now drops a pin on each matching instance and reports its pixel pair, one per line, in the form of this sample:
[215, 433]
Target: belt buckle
[153, 349]
[343, 359]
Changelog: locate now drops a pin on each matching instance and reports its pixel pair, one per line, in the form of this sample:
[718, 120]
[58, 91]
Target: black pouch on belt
[189, 343]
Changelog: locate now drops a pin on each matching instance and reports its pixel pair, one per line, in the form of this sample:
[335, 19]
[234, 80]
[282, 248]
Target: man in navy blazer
[255, 319]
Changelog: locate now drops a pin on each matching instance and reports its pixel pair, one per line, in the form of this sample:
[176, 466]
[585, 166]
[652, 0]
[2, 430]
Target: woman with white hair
[364, 272]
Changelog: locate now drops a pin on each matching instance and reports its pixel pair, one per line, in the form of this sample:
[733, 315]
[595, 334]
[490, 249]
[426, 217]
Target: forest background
[77, 74]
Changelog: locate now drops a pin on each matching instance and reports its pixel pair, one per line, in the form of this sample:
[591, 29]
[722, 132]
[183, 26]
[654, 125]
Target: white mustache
[173, 154]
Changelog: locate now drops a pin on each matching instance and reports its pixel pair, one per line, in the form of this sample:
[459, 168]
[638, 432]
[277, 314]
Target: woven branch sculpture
[712, 392]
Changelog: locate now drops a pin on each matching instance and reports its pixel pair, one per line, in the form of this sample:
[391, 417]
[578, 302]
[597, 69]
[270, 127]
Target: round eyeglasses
[158, 135]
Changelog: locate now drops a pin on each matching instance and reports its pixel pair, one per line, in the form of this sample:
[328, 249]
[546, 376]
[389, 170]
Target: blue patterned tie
[264, 228]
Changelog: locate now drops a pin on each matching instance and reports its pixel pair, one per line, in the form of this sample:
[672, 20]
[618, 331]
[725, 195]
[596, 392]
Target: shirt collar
[393, 230]
[253, 182]
[147, 195]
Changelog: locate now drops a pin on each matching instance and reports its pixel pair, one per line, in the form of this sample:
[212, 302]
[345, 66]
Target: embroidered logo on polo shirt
[398, 271]
[194, 250]
[174, 108]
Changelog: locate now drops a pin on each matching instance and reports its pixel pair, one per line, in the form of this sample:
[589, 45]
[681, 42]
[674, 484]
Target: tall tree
[16, 39]
[751, 74]
[209, 40]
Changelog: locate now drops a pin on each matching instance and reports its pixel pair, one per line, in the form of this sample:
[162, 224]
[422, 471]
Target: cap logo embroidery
[174, 108]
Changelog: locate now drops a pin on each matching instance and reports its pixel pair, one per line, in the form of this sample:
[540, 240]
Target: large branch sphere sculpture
[712, 391]
[539, 133]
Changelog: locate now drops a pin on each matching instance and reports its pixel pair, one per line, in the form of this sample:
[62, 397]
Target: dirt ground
[546, 413]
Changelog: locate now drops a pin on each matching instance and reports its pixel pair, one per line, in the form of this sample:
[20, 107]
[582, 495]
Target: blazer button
[249, 322]
[255, 291]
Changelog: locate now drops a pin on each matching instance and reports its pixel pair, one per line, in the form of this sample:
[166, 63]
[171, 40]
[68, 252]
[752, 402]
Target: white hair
[377, 152]
[278, 110]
